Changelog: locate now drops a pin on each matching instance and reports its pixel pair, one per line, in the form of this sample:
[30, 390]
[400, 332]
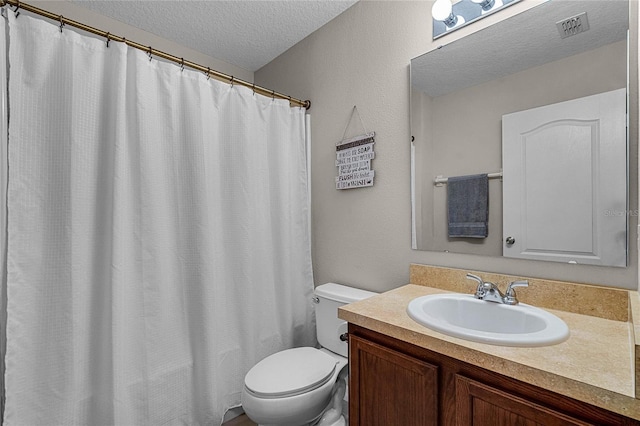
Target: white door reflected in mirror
[565, 194]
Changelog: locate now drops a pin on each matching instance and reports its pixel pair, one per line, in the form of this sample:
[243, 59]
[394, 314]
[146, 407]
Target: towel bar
[441, 180]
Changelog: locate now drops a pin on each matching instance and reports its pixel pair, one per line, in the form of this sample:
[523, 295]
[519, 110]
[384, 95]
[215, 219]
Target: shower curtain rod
[152, 52]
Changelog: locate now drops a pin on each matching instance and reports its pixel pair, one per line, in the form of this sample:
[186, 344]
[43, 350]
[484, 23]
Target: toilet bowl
[305, 386]
[292, 387]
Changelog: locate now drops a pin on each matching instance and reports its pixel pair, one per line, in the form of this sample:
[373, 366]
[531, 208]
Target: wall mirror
[555, 52]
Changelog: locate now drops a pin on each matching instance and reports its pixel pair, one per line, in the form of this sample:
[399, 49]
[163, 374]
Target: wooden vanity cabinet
[392, 388]
[482, 405]
[394, 383]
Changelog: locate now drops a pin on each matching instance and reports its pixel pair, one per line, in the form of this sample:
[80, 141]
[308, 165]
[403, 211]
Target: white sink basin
[464, 316]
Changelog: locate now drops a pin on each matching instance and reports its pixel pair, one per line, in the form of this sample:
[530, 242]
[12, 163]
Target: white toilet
[305, 386]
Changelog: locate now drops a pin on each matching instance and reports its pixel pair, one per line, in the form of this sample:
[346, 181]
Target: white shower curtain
[158, 235]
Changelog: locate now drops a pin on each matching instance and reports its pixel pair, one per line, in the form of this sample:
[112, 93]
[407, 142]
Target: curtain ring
[150, 53]
[208, 74]
[181, 64]
[108, 38]
[61, 22]
[17, 9]
[273, 95]
[232, 78]
[254, 89]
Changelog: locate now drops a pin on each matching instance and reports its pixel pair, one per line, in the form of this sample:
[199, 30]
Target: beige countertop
[595, 365]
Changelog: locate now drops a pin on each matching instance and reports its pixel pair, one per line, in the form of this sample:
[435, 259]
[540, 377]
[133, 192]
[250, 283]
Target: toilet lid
[290, 372]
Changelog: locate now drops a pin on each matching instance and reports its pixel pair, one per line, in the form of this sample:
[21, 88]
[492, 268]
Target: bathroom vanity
[406, 374]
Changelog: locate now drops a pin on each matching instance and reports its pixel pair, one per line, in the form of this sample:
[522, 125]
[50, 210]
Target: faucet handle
[480, 290]
[475, 278]
[510, 294]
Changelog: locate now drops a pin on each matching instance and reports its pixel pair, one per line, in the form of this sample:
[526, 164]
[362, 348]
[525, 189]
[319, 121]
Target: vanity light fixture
[448, 16]
[487, 5]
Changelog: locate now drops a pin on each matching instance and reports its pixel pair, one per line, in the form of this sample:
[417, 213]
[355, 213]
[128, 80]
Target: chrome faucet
[491, 293]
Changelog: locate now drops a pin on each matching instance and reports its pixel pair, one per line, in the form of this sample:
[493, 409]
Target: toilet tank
[329, 297]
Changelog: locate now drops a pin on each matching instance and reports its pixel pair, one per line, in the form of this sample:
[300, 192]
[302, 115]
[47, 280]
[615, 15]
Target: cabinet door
[481, 405]
[390, 388]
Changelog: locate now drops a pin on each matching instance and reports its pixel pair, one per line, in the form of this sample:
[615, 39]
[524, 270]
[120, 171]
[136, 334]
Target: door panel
[478, 404]
[390, 388]
[565, 181]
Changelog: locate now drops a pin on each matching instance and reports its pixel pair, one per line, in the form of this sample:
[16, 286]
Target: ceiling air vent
[574, 25]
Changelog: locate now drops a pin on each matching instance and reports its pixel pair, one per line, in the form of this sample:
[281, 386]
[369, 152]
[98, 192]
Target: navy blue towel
[468, 206]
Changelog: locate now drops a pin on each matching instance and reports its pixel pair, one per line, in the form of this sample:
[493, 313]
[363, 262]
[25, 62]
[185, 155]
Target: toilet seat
[290, 372]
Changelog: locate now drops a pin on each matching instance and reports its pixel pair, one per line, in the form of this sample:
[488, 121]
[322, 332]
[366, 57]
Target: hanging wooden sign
[353, 160]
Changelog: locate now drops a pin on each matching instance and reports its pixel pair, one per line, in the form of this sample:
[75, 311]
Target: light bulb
[441, 10]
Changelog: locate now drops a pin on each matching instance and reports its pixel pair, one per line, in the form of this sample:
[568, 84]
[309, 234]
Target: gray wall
[362, 236]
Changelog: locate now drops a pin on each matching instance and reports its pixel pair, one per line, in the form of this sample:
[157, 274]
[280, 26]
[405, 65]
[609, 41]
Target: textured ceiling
[245, 33]
[518, 43]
